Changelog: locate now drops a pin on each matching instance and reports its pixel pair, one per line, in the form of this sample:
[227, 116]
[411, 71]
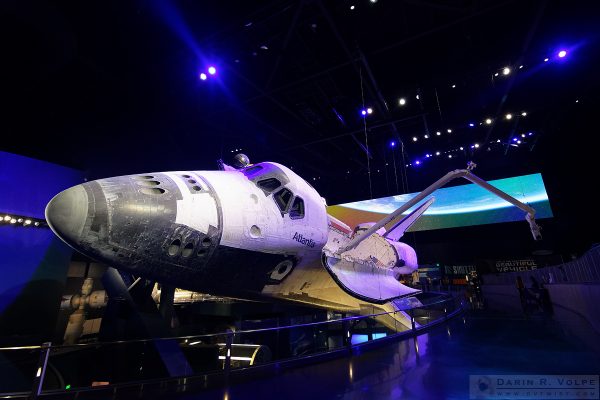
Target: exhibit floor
[438, 364]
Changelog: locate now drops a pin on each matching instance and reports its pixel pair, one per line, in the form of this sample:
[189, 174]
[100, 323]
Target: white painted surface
[196, 210]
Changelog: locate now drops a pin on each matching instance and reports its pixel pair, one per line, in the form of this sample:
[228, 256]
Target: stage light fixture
[562, 53]
[369, 110]
[415, 139]
[402, 101]
[488, 121]
[212, 70]
[505, 71]
[203, 76]
[508, 116]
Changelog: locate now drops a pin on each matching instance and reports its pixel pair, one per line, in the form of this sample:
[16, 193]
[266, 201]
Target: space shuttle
[257, 232]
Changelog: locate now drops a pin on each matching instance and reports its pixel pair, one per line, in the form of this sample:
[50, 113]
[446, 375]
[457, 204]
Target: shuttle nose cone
[67, 213]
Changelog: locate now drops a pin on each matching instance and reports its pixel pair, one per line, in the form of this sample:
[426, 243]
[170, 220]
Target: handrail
[456, 306]
[116, 342]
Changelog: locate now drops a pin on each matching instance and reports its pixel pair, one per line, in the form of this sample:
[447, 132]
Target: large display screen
[456, 206]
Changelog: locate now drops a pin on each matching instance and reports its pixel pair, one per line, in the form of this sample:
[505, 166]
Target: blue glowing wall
[34, 262]
[456, 206]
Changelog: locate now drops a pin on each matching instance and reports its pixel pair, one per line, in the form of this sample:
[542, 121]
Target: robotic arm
[459, 173]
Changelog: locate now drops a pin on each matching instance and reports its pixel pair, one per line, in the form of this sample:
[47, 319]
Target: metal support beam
[40, 374]
[534, 26]
[404, 41]
[286, 41]
[167, 297]
[386, 123]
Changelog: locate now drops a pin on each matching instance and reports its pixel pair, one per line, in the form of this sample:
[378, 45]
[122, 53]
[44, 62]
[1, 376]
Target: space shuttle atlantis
[258, 232]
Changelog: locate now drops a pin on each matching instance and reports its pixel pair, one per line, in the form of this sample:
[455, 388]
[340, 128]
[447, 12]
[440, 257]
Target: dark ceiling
[113, 88]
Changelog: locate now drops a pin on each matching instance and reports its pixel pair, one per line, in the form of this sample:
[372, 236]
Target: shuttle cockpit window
[267, 176]
[297, 209]
[268, 185]
[283, 199]
[252, 170]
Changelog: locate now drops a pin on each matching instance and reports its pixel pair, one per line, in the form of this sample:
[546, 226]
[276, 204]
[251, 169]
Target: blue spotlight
[471, 124]
[393, 144]
[212, 70]
[562, 54]
[515, 139]
[418, 162]
[363, 112]
[203, 76]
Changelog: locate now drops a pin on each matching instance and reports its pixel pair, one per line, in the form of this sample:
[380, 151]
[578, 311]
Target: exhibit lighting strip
[22, 221]
[234, 358]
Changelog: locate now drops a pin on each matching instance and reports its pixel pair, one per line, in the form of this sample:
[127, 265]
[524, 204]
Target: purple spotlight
[212, 70]
[530, 133]
[203, 76]
[562, 53]
[363, 112]
[393, 144]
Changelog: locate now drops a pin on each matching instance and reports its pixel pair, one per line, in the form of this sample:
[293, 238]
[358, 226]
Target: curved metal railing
[79, 367]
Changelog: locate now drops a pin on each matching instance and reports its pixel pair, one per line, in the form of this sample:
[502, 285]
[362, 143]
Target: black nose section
[67, 213]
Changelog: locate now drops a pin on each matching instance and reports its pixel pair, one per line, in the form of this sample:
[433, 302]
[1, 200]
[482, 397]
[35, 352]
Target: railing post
[228, 343]
[346, 328]
[38, 380]
[412, 321]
